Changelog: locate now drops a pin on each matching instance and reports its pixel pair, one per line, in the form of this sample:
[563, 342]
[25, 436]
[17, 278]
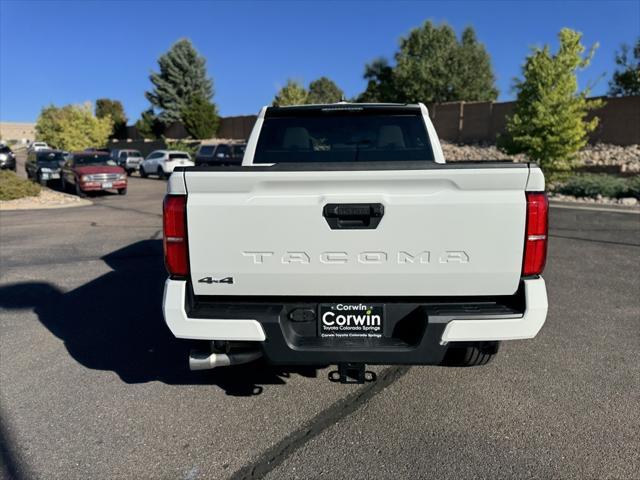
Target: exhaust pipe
[207, 360]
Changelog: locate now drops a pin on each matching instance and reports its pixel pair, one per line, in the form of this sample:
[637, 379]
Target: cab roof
[391, 108]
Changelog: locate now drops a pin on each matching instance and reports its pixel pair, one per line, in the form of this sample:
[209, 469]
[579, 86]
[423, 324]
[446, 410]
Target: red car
[92, 172]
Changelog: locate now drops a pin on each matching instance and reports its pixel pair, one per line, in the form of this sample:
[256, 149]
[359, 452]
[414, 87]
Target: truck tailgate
[444, 231]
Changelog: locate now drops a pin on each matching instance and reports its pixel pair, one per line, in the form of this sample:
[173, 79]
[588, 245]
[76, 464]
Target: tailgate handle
[353, 215]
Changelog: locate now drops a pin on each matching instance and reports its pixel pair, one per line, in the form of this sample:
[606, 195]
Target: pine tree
[200, 118]
[474, 80]
[549, 122]
[148, 125]
[182, 77]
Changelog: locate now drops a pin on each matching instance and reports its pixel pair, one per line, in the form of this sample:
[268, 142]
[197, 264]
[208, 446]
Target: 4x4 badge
[216, 280]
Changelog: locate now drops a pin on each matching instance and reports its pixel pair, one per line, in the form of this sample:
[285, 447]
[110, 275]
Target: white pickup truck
[345, 238]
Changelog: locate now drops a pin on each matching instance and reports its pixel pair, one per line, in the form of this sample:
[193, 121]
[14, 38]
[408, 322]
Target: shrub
[190, 147]
[634, 187]
[13, 187]
[592, 185]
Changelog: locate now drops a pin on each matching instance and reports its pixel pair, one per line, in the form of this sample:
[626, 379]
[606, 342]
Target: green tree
[324, 90]
[148, 125]
[626, 79]
[475, 80]
[293, 93]
[73, 127]
[433, 66]
[549, 121]
[380, 88]
[200, 118]
[114, 109]
[182, 76]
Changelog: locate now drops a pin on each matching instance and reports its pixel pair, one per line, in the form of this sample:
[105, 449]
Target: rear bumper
[8, 164]
[420, 328]
[132, 164]
[96, 186]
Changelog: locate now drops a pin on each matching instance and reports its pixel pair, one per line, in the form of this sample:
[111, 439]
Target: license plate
[351, 320]
[107, 185]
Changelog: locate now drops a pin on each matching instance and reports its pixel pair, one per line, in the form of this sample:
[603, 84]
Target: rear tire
[122, 191]
[161, 174]
[470, 354]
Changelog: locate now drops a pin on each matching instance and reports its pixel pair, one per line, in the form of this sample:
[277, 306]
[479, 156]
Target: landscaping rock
[628, 202]
[625, 159]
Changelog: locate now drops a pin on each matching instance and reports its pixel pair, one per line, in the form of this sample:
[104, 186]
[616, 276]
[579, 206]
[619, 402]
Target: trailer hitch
[352, 373]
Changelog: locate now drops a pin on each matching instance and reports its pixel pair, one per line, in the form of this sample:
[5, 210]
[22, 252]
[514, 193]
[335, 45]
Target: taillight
[535, 242]
[174, 219]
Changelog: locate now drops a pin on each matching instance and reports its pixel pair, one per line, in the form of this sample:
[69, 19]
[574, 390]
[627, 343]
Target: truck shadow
[115, 323]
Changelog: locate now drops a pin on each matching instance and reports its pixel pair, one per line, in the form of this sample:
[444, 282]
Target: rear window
[353, 135]
[134, 153]
[93, 159]
[50, 156]
[178, 156]
[207, 150]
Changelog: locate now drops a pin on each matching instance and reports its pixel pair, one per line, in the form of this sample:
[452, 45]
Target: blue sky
[70, 52]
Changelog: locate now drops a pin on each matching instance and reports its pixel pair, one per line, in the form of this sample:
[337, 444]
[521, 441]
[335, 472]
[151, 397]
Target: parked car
[221, 154]
[37, 146]
[130, 160]
[92, 172]
[95, 150]
[162, 163]
[363, 246]
[7, 158]
[44, 165]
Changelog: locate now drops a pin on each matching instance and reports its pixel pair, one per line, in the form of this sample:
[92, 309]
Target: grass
[13, 187]
[592, 184]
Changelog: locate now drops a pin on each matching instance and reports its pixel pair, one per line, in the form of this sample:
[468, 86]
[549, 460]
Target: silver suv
[128, 159]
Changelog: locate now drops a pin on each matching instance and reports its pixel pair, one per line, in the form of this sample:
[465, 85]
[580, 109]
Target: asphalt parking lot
[93, 385]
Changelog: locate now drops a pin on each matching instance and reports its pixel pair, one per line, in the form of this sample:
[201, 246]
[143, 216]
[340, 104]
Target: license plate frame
[351, 320]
